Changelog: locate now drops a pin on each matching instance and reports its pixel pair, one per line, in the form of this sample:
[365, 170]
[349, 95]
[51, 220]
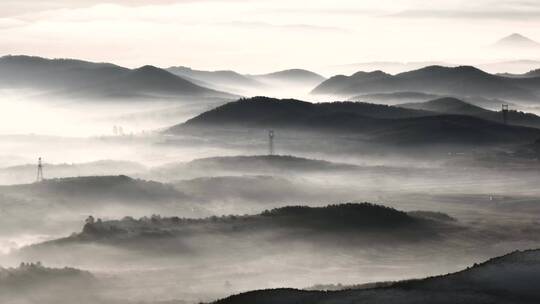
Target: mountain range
[232, 81]
[460, 81]
[82, 79]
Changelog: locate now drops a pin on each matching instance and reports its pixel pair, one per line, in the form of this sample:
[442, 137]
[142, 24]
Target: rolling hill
[458, 107]
[29, 208]
[22, 174]
[395, 98]
[48, 285]
[292, 77]
[448, 106]
[530, 74]
[96, 189]
[217, 79]
[463, 81]
[82, 79]
[249, 164]
[507, 279]
[261, 111]
[268, 163]
[398, 98]
[375, 123]
[298, 222]
[255, 190]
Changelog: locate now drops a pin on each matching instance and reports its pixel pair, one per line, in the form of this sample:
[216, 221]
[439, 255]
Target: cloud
[299, 27]
[8, 23]
[21, 7]
[470, 14]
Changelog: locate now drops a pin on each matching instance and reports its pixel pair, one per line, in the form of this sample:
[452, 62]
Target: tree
[90, 220]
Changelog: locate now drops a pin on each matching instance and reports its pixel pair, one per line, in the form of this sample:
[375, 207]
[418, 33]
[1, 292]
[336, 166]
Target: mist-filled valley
[168, 185]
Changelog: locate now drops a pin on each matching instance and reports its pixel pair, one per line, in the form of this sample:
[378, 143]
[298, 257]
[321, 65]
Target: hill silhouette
[350, 219]
[395, 98]
[75, 78]
[530, 74]
[463, 81]
[77, 191]
[291, 77]
[456, 106]
[28, 274]
[255, 190]
[507, 279]
[22, 174]
[218, 79]
[268, 162]
[259, 111]
[399, 98]
[248, 164]
[378, 123]
[447, 105]
[29, 208]
[47, 285]
[516, 40]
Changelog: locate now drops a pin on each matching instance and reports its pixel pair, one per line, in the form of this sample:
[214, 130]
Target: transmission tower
[505, 113]
[271, 142]
[39, 171]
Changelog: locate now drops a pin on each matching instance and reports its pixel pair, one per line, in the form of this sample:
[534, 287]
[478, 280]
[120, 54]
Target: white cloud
[260, 35]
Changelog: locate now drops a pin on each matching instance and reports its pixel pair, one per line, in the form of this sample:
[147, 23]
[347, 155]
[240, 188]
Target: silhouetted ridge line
[506, 279]
[376, 123]
[462, 81]
[82, 79]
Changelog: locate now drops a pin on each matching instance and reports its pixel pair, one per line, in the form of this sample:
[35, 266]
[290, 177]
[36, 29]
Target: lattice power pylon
[505, 113]
[39, 171]
[271, 142]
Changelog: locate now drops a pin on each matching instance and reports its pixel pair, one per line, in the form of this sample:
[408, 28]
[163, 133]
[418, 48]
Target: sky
[265, 35]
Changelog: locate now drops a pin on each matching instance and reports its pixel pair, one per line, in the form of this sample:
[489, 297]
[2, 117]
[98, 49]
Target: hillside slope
[508, 279]
[375, 123]
[458, 107]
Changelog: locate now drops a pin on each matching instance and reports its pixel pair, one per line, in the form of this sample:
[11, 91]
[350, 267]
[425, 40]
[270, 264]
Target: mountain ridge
[378, 123]
[84, 79]
[461, 81]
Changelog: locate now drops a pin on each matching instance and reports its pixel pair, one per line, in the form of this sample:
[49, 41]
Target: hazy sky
[263, 35]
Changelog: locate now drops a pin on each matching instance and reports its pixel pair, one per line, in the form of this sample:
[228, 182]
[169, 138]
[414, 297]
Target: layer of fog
[32, 112]
[494, 200]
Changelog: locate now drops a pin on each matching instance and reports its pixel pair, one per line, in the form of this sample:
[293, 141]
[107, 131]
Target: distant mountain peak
[516, 40]
[149, 68]
[293, 74]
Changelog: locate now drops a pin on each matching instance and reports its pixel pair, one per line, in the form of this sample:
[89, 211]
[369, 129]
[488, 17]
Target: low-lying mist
[190, 217]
